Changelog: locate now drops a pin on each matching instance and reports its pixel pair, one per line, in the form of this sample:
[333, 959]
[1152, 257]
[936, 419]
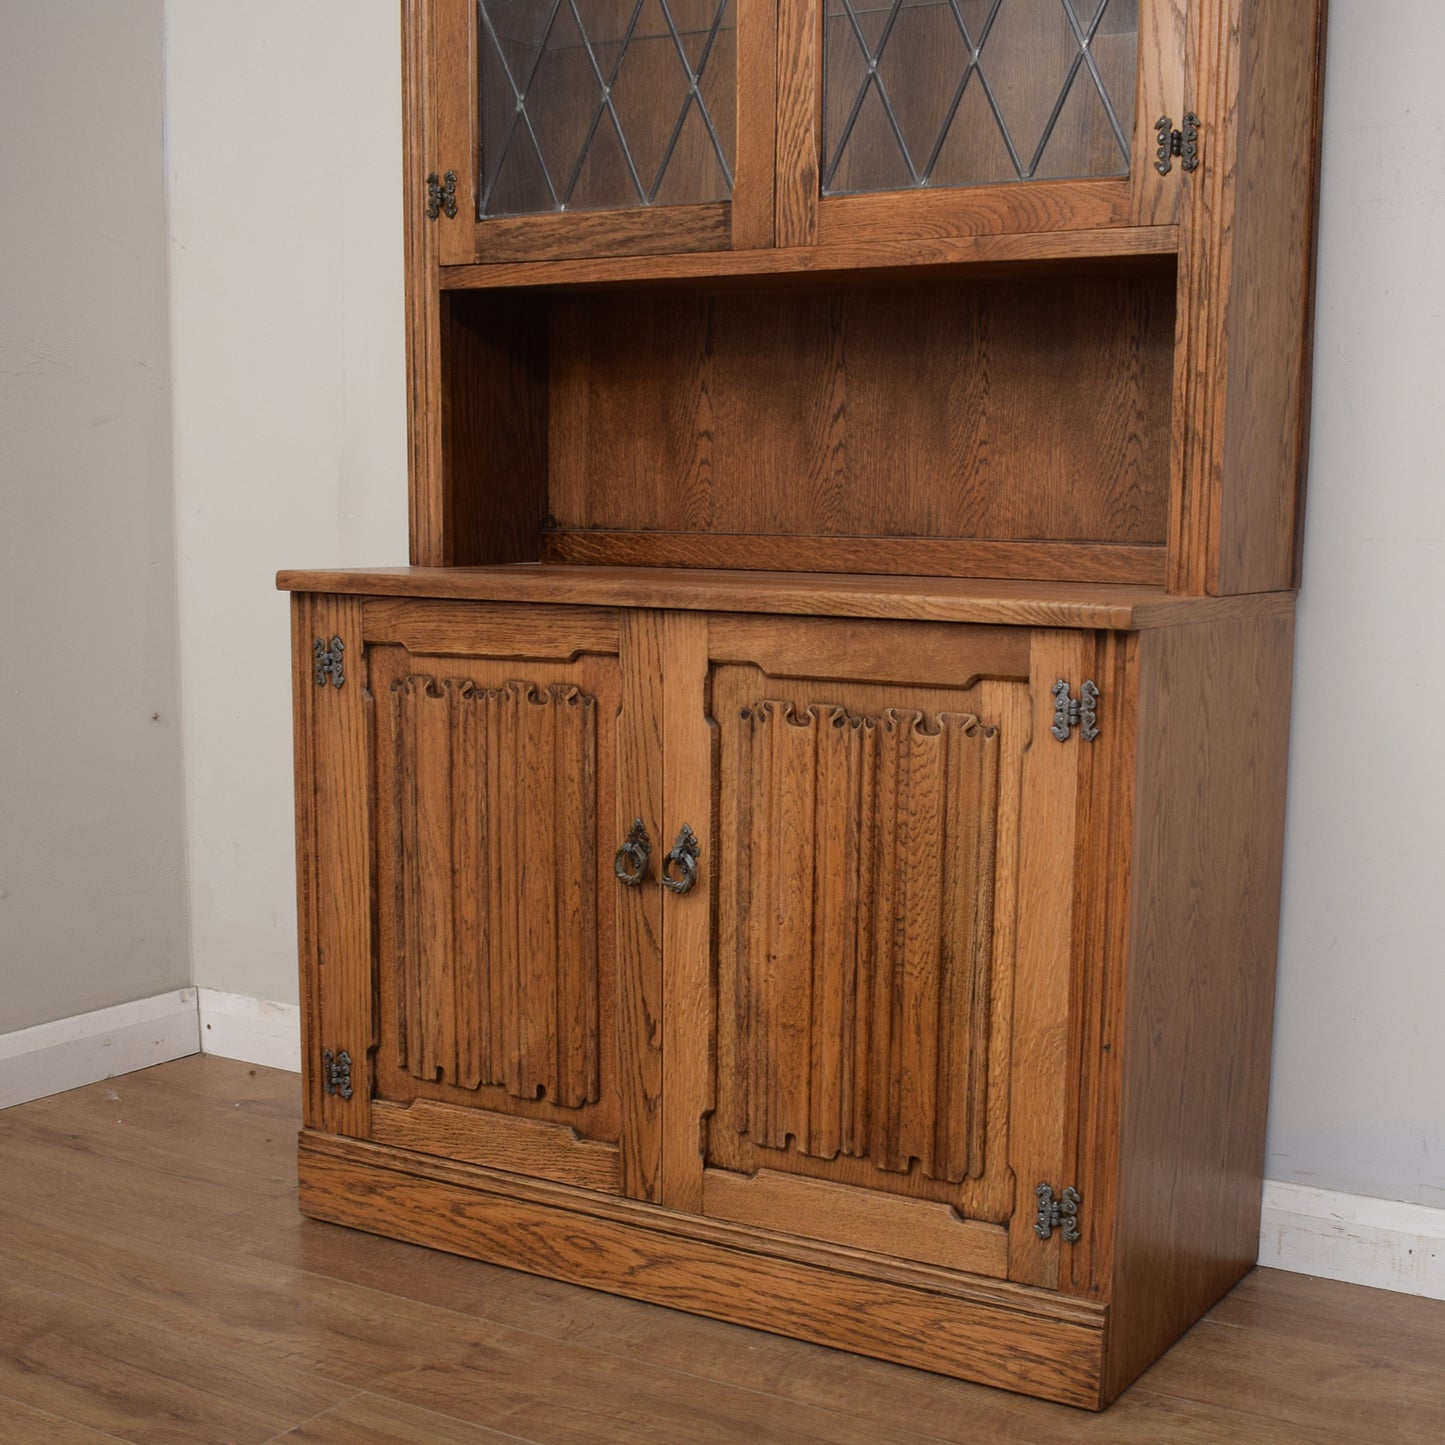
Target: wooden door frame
[443, 46]
[806, 218]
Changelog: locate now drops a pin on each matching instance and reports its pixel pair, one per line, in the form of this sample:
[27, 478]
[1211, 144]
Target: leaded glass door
[988, 115]
[596, 127]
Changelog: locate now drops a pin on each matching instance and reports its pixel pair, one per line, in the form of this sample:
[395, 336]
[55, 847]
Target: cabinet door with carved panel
[894, 890]
[512, 971]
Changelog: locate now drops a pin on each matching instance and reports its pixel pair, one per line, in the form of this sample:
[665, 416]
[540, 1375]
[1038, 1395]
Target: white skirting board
[250, 1029]
[1354, 1238]
[1347, 1237]
[50, 1058]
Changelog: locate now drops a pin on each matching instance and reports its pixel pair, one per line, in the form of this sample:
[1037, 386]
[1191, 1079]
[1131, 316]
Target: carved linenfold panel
[496, 880]
[862, 1000]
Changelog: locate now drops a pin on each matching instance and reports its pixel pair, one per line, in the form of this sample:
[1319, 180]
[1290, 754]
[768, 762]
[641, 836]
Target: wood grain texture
[254, 1302]
[575, 234]
[833, 413]
[1163, 91]
[454, 64]
[753, 202]
[442, 629]
[1246, 251]
[1010, 1338]
[1213, 733]
[521, 1146]
[930, 599]
[496, 789]
[639, 910]
[1036, 252]
[1272, 282]
[863, 990]
[908, 1228]
[800, 37]
[497, 944]
[1102, 900]
[861, 998]
[931, 215]
[688, 919]
[929, 654]
[494, 370]
[1044, 998]
[427, 521]
[368, 1419]
[886, 556]
[333, 831]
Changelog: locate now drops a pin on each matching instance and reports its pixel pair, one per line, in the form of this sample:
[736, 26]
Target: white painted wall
[92, 865]
[284, 119]
[1358, 1102]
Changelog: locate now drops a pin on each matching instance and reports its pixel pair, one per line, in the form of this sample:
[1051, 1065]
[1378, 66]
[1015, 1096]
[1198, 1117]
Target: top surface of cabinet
[629, 127]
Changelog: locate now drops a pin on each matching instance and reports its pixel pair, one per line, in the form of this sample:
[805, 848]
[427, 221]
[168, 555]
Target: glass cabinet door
[595, 127]
[992, 115]
[976, 92]
[603, 107]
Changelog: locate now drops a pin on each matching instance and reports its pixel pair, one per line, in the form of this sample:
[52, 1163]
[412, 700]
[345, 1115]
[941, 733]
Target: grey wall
[92, 884]
[1357, 1103]
[289, 351]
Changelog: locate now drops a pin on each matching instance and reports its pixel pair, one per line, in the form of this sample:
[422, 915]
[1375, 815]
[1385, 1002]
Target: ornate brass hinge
[328, 662]
[1057, 1213]
[336, 1072]
[1182, 143]
[1080, 712]
[441, 195]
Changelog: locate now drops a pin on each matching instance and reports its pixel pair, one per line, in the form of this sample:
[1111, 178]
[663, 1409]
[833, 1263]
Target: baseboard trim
[1354, 1238]
[1348, 1237]
[69, 1053]
[253, 1030]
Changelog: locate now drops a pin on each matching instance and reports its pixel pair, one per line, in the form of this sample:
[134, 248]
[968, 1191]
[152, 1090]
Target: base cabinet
[868, 980]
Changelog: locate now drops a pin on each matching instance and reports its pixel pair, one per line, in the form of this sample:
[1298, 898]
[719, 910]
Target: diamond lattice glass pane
[599, 104]
[975, 92]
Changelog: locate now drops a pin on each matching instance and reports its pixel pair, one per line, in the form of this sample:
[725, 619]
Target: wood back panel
[1033, 412]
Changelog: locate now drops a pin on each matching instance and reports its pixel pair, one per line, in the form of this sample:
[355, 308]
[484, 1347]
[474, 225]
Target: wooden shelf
[1043, 251]
[1103, 606]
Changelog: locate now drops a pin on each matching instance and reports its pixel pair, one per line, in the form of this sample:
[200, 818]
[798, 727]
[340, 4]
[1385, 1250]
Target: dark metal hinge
[336, 1072]
[441, 195]
[1182, 143]
[1080, 712]
[1057, 1213]
[328, 662]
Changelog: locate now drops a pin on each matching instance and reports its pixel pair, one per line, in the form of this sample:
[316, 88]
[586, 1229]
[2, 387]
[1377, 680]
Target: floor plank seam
[302, 1424]
[600, 1350]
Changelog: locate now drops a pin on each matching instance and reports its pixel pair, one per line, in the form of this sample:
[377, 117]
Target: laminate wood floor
[157, 1285]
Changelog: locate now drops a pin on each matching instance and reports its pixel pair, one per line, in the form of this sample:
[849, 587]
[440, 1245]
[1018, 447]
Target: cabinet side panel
[1246, 275]
[495, 363]
[1269, 328]
[1213, 734]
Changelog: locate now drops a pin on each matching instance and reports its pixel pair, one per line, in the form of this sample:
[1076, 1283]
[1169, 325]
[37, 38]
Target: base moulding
[996, 1334]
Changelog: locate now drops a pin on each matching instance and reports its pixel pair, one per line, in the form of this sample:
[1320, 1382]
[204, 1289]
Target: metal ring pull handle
[630, 864]
[683, 857]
